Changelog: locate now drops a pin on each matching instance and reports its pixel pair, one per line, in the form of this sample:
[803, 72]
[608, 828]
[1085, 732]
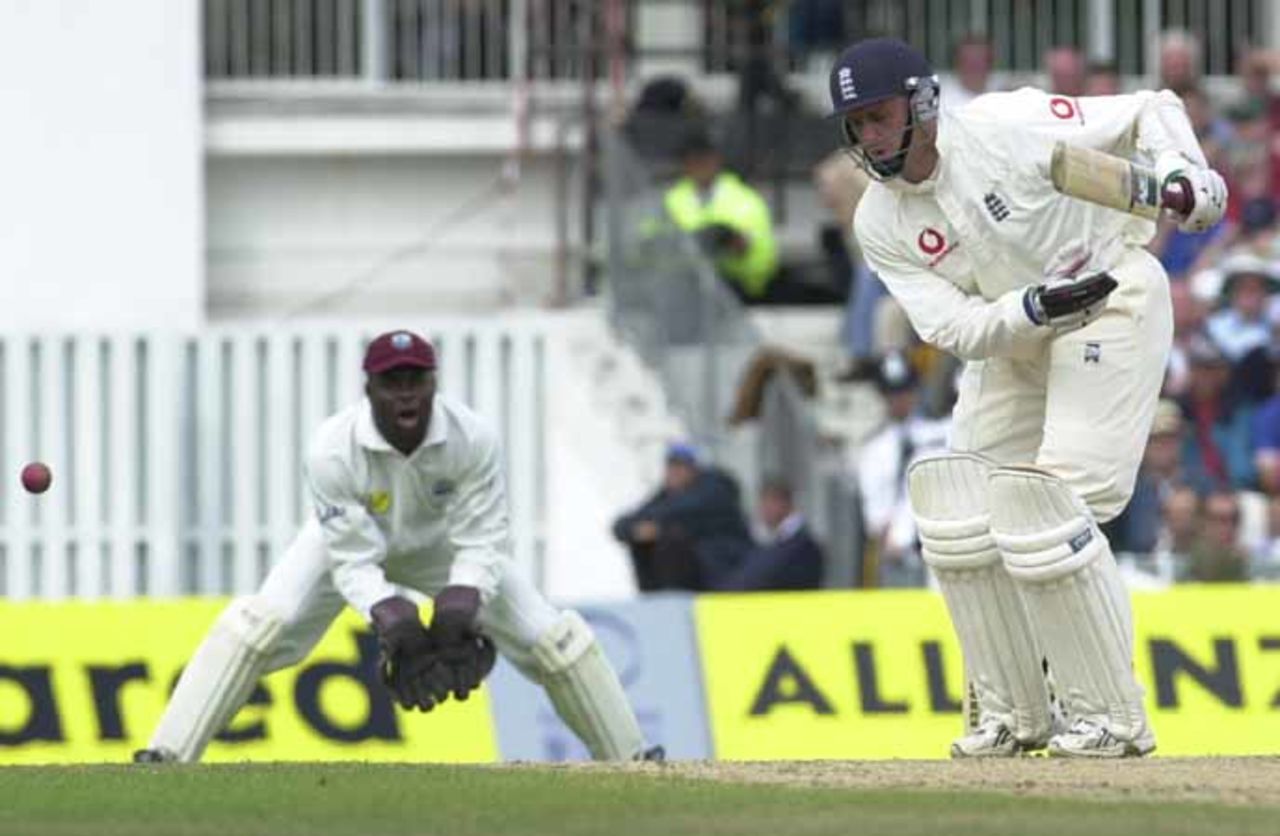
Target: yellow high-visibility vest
[740, 207]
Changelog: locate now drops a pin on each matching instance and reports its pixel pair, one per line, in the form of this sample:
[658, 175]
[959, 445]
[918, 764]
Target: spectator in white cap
[882, 473]
[1243, 326]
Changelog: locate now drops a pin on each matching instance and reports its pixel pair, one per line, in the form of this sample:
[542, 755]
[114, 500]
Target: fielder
[1065, 324]
[409, 495]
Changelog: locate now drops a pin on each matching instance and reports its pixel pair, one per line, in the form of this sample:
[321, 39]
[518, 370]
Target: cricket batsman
[1064, 322]
[409, 495]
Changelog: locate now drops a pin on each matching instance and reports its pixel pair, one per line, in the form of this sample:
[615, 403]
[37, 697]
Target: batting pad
[1053, 548]
[949, 499]
[218, 679]
[585, 690]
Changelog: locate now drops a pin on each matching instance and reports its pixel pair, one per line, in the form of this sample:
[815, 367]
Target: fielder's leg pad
[218, 679]
[949, 497]
[1077, 601]
[585, 690]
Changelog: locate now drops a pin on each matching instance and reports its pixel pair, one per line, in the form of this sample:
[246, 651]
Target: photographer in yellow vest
[728, 218]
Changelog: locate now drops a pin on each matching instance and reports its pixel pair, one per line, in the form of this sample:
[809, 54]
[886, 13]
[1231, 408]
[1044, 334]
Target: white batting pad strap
[1075, 596]
[585, 690]
[254, 621]
[1043, 529]
[1062, 551]
[563, 644]
[1002, 659]
[218, 679]
[963, 545]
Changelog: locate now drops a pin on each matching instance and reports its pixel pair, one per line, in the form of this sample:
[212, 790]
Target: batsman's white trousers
[299, 588]
[1083, 409]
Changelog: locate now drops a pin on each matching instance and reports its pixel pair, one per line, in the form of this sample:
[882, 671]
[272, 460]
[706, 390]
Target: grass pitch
[774, 799]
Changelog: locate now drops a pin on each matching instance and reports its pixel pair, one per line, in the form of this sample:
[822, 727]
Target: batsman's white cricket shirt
[958, 249]
[444, 505]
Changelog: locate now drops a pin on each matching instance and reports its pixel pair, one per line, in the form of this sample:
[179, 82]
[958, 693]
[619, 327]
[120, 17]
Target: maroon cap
[397, 349]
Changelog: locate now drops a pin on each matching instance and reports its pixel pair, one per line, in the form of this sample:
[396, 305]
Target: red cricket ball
[36, 477]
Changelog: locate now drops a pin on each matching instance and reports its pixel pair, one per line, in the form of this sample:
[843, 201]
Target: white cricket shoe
[1090, 739]
[992, 739]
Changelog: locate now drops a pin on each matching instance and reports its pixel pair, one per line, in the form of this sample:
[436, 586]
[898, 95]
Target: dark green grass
[325, 799]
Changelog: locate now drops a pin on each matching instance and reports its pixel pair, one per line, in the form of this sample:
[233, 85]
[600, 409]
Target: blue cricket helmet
[874, 70]
[877, 69]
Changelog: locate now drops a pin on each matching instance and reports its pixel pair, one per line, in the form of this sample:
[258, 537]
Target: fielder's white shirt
[958, 250]
[445, 504]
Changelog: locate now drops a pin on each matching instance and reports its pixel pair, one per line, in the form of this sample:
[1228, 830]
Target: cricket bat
[1108, 180]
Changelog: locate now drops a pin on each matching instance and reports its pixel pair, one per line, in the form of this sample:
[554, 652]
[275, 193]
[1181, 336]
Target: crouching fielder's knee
[219, 677]
[569, 663]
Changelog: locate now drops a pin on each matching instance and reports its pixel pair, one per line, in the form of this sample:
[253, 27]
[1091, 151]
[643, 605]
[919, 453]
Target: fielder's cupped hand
[465, 664]
[466, 657]
[407, 654]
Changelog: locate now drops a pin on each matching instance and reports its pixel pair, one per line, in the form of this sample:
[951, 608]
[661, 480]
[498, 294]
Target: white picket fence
[177, 458]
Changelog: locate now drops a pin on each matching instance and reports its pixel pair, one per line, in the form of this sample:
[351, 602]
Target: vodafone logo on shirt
[1064, 108]
[934, 244]
[931, 241]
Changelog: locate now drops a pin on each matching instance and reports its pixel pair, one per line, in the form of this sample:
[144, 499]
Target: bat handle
[1177, 197]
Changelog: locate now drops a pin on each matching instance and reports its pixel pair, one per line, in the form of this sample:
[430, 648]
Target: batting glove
[1207, 189]
[1068, 303]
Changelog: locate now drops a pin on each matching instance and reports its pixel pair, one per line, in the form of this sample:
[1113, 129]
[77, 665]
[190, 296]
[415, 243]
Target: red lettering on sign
[931, 241]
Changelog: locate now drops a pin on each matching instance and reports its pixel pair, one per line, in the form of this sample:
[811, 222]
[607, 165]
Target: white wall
[100, 196]
[303, 233]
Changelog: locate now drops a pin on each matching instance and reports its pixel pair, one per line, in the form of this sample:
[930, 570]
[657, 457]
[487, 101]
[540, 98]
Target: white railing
[1120, 31]
[513, 40]
[399, 40]
[177, 459]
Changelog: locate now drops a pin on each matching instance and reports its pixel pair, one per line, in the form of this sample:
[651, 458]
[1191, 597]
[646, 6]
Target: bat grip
[1177, 197]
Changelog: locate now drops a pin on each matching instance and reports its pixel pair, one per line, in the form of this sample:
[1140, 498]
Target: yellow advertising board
[879, 674]
[85, 682]
[829, 675]
[789, 675]
[1209, 657]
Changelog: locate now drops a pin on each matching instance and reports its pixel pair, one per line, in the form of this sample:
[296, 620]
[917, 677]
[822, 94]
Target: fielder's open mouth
[408, 417]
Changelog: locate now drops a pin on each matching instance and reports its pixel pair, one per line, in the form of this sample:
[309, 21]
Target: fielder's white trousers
[299, 588]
